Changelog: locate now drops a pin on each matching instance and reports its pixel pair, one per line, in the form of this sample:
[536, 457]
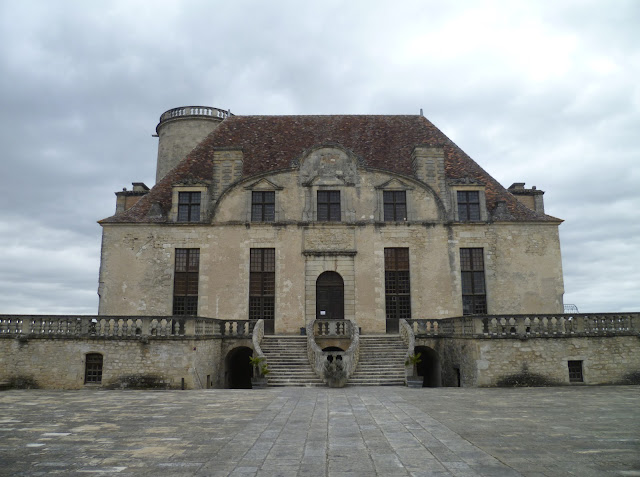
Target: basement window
[575, 372]
[93, 368]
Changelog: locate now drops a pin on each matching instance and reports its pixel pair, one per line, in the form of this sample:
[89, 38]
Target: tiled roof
[271, 143]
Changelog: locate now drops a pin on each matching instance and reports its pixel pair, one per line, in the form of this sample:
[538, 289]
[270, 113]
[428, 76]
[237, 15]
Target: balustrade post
[190, 326]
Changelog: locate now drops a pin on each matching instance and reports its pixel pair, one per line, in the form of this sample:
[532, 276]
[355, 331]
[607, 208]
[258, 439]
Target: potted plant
[261, 369]
[413, 380]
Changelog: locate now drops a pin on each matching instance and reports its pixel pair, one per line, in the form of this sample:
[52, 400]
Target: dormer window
[263, 206]
[329, 206]
[395, 205]
[468, 206]
[189, 206]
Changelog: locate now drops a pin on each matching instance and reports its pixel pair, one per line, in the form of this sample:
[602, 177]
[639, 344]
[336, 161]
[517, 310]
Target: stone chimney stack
[532, 198]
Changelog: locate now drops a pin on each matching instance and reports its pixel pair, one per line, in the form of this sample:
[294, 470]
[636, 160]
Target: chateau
[303, 239]
[292, 218]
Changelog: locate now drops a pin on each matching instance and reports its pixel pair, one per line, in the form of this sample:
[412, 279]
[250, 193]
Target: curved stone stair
[381, 361]
[288, 362]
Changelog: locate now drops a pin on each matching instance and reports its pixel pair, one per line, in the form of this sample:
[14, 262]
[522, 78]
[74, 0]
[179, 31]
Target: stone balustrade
[529, 326]
[99, 326]
[333, 329]
[186, 111]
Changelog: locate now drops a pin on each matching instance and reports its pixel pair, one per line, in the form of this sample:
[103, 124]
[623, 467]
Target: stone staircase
[381, 361]
[288, 361]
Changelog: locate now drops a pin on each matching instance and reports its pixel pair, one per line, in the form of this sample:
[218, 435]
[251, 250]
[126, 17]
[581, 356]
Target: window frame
[394, 203]
[397, 283]
[333, 207]
[175, 203]
[93, 370]
[262, 278]
[185, 279]
[457, 210]
[191, 206]
[263, 203]
[472, 271]
[576, 370]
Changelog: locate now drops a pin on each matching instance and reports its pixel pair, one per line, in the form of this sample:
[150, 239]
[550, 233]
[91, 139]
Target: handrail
[333, 329]
[406, 332]
[256, 338]
[125, 327]
[529, 325]
[352, 355]
[186, 111]
[315, 354]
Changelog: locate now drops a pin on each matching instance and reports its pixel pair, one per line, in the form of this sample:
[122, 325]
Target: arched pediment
[329, 165]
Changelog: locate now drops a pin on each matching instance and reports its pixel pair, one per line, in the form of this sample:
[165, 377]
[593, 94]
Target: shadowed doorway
[238, 369]
[329, 296]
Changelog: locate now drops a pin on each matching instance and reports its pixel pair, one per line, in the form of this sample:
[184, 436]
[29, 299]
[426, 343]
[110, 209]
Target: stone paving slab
[315, 432]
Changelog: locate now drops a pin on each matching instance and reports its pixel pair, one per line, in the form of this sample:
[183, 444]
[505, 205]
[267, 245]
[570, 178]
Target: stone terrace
[356, 431]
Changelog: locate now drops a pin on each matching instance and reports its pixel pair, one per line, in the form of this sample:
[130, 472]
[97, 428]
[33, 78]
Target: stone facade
[520, 247]
[60, 363]
[537, 361]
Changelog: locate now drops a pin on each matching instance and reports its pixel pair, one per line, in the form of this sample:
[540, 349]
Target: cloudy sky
[542, 92]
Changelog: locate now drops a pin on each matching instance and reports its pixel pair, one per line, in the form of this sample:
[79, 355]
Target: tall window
[188, 206]
[474, 295]
[93, 368]
[263, 206]
[185, 283]
[397, 284]
[468, 206]
[262, 281]
[329, 205]
[395, 205]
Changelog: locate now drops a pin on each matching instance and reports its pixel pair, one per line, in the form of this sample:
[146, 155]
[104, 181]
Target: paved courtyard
[582, 431]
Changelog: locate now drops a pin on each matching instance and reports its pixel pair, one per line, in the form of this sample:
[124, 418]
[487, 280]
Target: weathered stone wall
[605, 359]
[178, 137]
[60, 363]
[487, 362]
[522, 260]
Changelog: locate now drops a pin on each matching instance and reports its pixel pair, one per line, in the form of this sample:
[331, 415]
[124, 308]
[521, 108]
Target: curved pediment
[329, 165]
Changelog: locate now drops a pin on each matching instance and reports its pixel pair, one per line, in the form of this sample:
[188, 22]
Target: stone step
[288, 362]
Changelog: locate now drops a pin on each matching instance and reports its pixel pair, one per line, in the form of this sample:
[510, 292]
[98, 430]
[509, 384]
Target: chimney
[531, 198]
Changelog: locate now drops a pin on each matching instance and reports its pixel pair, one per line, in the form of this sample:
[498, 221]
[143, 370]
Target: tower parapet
[180, 130]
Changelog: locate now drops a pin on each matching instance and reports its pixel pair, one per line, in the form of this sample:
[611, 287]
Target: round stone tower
[180, 130]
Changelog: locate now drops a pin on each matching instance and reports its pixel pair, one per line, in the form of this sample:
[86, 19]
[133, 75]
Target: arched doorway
[329, 296]
[238, 369]
[429, 368]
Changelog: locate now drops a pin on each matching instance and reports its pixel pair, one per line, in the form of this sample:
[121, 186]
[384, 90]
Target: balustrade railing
[185, 111]
[256, 338]
[101, 326]
[333, 329]
[547, 325]
[409, 338]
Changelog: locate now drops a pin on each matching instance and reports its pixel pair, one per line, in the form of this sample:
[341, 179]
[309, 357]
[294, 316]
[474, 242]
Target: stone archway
[329, 296]
[238, 369]
[430, 367]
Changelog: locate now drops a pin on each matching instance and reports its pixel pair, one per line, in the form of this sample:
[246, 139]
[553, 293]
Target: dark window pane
[397, 283]
[262, 283]
[328, 206]
[474, 300]
[185, 283]
[188, 206]
[263, 206]
[269, 213]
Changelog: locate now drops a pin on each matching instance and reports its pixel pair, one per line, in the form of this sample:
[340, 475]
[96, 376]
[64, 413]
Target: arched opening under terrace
[237, 368]
[429, 368]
